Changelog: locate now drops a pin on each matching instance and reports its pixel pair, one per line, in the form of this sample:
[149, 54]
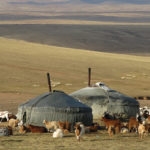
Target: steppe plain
[65, 45]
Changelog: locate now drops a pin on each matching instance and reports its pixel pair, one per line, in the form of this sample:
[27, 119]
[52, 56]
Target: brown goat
[64, 125]
[12, 116]
[112, 124]
[36, 129]
[10, 130]
[133, 124]
[23, 129]
[93, 128]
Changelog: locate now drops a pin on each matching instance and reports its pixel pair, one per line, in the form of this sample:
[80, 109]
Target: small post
[49, 82]
[89, 77]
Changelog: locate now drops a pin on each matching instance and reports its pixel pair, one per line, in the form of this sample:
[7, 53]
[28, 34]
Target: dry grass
[24, 66]
[95, 141]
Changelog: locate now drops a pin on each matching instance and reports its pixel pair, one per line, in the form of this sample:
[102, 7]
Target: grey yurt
[103, 99]
[54, 106]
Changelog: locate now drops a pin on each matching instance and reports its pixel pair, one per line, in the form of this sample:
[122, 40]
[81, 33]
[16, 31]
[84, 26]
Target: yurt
[54, 106]
[104, 99]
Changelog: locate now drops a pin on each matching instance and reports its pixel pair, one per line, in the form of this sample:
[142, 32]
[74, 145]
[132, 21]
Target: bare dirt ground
[11, 101]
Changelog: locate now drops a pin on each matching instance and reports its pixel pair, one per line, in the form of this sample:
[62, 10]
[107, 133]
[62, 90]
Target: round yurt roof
[54, 106]
[98, 94]
[57, 100]
[103, 99]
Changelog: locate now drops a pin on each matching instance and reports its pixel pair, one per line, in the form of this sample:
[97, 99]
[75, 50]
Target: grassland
[95, 141]
[24, 66]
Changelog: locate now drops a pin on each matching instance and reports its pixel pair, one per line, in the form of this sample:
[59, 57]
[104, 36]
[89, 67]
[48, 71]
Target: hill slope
[104, 38]
[24, 66]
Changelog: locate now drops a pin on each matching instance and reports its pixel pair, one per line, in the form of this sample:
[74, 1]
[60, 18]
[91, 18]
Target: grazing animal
[93, 128]
[23, 129]
[112, 123]
[64, 125]
[111, 130]
[124, 130]
[12, 116]
[147, 120]
[142, 131]
[10, 130]
[51, 125]
[36, 129]
[20, 123]
[79, 130]
[4, 115]
[58, 133]
[13, 123]
[133, 124]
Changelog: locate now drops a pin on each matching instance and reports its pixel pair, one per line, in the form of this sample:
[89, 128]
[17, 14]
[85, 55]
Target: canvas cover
[54, 106]
[102, 100]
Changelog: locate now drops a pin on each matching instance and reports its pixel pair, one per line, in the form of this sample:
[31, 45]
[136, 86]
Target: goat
[12, 116]
[93, 128]
[51, 125]
[10, 130]
[111, 130]
[23, 129]
[124, 130]
[13, 123]
[58, 133]
[4, 115]
[109, 122]
[79, 130]
[142, 131]
[133, 124]
[36, 129]
[64, 125]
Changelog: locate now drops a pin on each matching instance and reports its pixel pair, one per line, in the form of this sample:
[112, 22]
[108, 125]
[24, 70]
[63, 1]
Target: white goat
[58, 133]
[3, 115]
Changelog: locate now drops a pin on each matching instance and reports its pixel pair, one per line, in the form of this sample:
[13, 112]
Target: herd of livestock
[139, 124]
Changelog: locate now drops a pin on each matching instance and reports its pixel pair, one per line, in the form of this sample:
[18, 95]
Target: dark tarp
[54, 106]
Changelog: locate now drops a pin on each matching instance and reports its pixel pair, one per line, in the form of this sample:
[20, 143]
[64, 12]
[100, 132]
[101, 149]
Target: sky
[74, 5]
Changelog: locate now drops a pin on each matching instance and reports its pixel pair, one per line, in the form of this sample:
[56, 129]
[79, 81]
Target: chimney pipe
[89, 77]
[49, 82]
